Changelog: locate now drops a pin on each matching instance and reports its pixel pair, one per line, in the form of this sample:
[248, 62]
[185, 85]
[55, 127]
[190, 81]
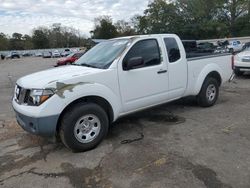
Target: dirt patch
[13, 161]
[208, 177]
[9, 129]
[203, 173]
[29, 140]
[79, 177]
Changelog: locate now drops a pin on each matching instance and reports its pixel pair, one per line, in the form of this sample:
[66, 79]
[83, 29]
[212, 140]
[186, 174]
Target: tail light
[232, 62]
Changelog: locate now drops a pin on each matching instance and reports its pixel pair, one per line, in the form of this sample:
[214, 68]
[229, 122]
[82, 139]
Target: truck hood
[44, 78]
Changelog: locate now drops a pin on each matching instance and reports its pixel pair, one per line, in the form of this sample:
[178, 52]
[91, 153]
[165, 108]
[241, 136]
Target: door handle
[162, 71]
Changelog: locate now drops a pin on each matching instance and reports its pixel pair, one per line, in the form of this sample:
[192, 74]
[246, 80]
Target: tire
[68, 63]
[209, 92]
[237, 72]
[79, 136]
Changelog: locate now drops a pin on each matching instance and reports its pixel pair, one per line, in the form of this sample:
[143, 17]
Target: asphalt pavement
[174, 145]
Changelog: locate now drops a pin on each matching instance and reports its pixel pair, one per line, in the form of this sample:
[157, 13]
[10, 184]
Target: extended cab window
[172, 49]
[148, 50]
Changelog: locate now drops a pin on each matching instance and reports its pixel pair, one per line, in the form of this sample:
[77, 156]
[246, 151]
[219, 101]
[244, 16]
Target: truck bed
[198, 66]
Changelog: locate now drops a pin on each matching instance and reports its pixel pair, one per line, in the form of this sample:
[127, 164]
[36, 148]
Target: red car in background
[71, 58]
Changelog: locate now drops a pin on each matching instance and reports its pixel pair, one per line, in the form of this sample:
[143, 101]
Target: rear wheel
[209, 92]
[84, 126]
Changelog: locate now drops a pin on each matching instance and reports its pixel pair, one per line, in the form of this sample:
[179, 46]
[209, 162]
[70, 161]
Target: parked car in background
[234, 46]
[56, 54]
[13, 55]
[47, 54]
[69, 59]
[242, 61]
[38, 54]
[66, 52]
[26, 54]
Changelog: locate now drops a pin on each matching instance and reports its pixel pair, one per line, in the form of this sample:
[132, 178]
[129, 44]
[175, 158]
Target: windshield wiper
[88, 65]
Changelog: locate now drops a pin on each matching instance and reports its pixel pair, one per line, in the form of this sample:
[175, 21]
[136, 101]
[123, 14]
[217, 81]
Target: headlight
[38, 96]
[237, 58]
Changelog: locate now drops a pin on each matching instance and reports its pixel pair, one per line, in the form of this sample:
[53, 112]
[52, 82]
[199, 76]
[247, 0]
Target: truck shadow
[155, 121]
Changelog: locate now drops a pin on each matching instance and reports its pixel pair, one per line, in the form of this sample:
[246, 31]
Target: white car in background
[242, 61]
[235, 46]
[56, 54]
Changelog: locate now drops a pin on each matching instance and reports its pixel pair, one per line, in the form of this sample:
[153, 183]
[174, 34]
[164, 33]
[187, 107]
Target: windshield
[102, 55]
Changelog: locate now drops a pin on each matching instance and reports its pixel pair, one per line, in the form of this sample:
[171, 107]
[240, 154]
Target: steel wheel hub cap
[87, 128]
[211, 92]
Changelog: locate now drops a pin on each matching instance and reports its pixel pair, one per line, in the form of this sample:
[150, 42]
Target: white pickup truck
[113, 79]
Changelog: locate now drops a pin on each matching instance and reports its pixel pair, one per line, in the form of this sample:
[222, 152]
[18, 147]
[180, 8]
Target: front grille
[21, 95]
[246, 59]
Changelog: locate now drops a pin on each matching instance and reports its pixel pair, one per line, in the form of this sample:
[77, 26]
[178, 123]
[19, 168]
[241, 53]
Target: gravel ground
[178, 144]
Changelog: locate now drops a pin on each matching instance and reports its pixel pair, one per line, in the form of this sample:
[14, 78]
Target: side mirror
[135, 62]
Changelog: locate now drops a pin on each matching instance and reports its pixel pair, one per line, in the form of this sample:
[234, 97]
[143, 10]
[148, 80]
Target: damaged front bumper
[43, 126]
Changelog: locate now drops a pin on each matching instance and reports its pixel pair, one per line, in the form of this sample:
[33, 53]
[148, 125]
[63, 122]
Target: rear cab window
[173, 50]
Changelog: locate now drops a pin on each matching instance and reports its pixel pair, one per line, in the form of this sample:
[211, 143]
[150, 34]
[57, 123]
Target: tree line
[55, 36]
[190, 19]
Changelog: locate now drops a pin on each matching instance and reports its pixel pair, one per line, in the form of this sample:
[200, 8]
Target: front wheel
[83, 127]
[209, 92]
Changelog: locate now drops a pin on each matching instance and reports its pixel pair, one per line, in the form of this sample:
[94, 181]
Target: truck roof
[145, 36]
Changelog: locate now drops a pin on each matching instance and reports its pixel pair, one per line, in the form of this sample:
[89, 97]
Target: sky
[23, 15]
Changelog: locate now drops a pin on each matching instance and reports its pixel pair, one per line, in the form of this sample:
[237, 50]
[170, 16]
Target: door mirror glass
[135, 62]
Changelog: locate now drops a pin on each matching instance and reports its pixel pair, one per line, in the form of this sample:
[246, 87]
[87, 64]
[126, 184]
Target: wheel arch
[216, 75]
[213, 74]
[211, 70]
[92, 98]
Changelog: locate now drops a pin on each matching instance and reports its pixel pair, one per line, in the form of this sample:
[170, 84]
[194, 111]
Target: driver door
[147, 84]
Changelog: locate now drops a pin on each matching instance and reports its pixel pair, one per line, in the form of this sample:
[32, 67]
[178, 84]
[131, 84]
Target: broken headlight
[38, 96]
